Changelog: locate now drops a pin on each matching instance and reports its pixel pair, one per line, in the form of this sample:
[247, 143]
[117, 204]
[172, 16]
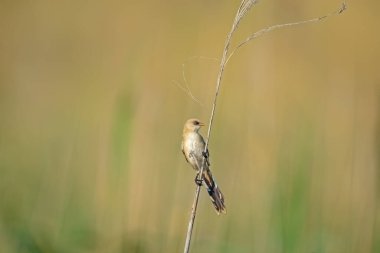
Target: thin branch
[188, 92]
[242, 11]
[279, 26]
[193, 212]
[187, 89]
[244, 7]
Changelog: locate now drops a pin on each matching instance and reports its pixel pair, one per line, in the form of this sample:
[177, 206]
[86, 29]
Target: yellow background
[91, 119]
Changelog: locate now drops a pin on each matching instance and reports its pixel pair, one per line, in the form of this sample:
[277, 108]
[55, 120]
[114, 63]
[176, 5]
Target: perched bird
[193, 147]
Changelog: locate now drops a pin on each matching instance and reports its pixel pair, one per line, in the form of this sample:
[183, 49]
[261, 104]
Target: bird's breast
[189, 143]
[193, 147]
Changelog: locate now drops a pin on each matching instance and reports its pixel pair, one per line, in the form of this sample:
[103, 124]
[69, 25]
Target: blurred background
[91, 118]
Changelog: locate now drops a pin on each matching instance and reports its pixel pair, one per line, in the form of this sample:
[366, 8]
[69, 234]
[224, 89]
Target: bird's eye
[196, 123]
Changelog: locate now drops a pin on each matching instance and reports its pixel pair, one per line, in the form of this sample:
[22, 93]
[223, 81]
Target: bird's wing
[207, 153]
[207, 158]
[183, 151]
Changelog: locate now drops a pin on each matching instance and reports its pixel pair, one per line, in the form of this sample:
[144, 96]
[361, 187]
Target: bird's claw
[205, 155]
[198, 181]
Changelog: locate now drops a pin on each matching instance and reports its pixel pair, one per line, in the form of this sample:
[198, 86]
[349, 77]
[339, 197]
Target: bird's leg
[198, 181]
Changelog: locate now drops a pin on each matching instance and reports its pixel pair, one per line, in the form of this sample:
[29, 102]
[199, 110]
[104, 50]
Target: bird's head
[193, 125]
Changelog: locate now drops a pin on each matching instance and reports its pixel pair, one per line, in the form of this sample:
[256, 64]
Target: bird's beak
[201, 124]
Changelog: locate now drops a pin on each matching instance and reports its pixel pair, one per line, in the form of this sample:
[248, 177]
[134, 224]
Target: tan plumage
[193, 147]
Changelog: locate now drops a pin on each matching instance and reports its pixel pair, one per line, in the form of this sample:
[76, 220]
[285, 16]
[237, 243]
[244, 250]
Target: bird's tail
[213, 190]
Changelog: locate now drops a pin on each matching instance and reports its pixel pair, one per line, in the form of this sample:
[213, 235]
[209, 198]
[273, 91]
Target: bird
[193, 148]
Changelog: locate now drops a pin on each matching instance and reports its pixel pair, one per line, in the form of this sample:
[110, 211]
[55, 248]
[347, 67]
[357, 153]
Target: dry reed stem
[188, 91]
[242, 11]
[186, 87]
[275, 27]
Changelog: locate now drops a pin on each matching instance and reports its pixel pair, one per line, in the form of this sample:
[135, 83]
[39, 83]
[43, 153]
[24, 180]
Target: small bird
[193, 147]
